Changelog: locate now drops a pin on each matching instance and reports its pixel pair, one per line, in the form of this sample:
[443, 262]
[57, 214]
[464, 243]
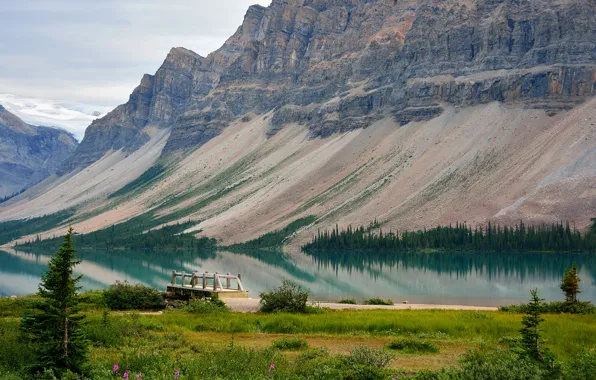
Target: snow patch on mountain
[71, 116]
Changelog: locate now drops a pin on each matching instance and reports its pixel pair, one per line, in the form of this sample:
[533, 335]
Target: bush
[409, 345]
[348, 302]
[490, 365]
[290, 344]
[362, 363]
[554, 308]
[378, 301]
[289, 298]
[125, 296]
[581, 367]
[207, 305]
[369, 356]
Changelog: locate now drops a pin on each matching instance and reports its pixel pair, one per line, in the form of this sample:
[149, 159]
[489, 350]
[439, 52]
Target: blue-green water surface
[443, 278]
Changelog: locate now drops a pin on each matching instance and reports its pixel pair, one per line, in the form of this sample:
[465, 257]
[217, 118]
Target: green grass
[239, 346]
[349, 301]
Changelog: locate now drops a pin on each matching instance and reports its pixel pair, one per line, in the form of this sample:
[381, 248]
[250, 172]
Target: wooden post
[205, 279]
[228, 281]
[183, 276]
[193, 279]
[173, 277]
[239, 278]
[215, 281]
[219, 284]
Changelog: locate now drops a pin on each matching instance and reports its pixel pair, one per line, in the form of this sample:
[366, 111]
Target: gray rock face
[28, 154]
[337, 65]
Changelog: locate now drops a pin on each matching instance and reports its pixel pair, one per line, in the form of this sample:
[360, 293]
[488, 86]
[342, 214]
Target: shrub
[581, 367]
[378, 301]
[207, 305]
[125, 296]
[554, 308]
[290, 344]
[409, 345]
[369, 356]
[289, 297]
[363, 363]
[501, 364]
[348, 302]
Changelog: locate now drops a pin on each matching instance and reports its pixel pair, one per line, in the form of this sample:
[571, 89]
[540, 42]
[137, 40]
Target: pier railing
[208, 281]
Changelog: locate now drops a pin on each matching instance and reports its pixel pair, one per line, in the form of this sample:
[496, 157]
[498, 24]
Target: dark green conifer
[53, 326]
[570, 284]
[530, 332]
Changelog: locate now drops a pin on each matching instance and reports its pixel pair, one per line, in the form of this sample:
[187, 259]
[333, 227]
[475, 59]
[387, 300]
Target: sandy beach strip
[251, 305]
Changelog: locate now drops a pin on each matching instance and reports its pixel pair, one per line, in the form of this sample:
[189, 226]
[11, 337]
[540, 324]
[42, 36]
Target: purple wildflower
[125, 376]
[271, 368]
[116, 368]
[177, 374]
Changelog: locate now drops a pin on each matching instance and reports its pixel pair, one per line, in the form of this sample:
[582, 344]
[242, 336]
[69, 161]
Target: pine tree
[570, 284]
[53, 326]
[531, 331]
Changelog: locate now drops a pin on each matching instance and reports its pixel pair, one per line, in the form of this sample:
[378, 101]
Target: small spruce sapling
[530, 332]
[570, 285]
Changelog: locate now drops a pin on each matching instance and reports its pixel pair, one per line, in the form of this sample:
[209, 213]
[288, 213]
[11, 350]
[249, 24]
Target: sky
[95, 52]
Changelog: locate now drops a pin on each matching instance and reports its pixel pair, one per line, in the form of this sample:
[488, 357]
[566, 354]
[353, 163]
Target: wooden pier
[206, 284]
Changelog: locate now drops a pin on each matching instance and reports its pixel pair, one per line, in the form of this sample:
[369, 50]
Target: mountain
[414, 112]
[28, 153]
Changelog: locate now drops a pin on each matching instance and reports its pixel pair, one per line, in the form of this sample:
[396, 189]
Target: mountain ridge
[29, 153]
[341, 65]
[415, 113]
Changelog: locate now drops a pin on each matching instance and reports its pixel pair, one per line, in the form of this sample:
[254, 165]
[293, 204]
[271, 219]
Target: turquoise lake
[444, 278]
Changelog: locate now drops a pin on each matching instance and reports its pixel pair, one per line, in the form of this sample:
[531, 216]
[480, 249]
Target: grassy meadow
[222, 344]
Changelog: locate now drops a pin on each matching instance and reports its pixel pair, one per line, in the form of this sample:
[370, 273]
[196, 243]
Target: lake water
[446, 278]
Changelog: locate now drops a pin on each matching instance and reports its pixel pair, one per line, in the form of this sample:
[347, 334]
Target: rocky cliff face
[28, 153]
[337, 65]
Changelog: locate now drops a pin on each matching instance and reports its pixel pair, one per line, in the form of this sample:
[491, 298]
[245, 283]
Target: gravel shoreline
[251, 305]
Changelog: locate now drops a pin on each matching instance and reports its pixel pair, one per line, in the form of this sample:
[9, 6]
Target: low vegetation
[571, 305]
[411, 346]
[131, 238]
[15, 229]
[275, 239]
[290, 344]
[378, 301]
[145, 179]
[206, 306]
[126, 296]
[349, 301]
[288, 298]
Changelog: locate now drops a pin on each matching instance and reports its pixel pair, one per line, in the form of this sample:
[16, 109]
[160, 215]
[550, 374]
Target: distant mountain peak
[29, 153]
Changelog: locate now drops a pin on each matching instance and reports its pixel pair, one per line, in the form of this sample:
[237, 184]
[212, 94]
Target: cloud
[95, 52]
[73, 117]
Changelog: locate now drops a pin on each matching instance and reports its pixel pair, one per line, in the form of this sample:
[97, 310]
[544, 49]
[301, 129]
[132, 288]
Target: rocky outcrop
[337, 65]
[28, 153]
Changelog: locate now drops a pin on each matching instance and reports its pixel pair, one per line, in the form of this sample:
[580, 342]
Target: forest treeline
[494, 237]
[132, 237]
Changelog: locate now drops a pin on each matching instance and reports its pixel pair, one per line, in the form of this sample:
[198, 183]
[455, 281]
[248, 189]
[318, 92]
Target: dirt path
[251, 305]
